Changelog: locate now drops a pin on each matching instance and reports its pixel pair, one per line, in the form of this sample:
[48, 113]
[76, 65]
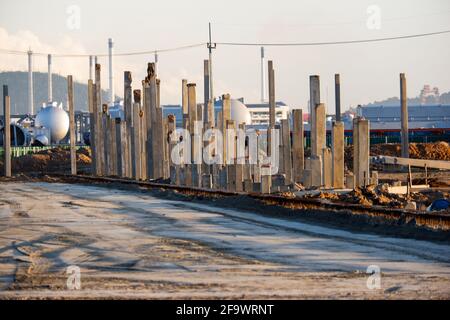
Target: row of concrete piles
[325, 168]
[134, 147]
[145, 145]
[237, 170]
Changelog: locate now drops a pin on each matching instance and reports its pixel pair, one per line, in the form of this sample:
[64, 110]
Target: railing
[21, 151]
[412, 139]
[381, 140]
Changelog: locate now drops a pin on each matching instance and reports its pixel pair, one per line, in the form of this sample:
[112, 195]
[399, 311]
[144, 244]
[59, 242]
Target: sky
[369, 71]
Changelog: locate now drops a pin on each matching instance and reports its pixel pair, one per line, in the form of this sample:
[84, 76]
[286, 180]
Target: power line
[13, 52]
[279, 44]
[133, 53]
[337, 23]
[287, 44]
[105, 54]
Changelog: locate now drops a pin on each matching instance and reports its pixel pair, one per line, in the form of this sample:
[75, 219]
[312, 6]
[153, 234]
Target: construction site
[216, 199]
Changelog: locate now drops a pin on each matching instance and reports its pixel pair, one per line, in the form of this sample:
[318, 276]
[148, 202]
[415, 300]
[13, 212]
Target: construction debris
[380, 196]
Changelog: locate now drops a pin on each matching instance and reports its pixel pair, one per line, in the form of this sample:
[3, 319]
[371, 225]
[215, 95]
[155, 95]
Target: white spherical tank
[55, 119]
[240, 113]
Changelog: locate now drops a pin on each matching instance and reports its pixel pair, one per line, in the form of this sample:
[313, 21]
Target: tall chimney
[156, 63]
[49, 74]
[111, 77]
[91, 67]
[263, 77]
[30, 83]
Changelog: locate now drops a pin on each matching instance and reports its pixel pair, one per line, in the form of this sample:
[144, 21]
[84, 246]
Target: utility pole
[73, 152]
[211, 87]
[6, 132]
[404, 116]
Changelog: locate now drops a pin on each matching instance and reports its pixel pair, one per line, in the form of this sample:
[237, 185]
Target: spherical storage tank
[240, 113]
[55, 119]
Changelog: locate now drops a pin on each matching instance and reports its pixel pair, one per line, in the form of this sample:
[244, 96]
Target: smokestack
[30, 83]
[263, 77]
[91, 67]
[49, 73]
[111, 78]
[156, 63]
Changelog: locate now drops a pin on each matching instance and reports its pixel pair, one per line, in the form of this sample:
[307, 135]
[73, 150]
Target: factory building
[260, 113]
[427, 123]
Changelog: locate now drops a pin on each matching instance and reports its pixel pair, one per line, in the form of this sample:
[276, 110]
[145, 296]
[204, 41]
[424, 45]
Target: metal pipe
[337, 86]
[5, 93]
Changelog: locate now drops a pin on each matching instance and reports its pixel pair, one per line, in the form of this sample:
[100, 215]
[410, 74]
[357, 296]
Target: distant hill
[395, 101]
[18, 91]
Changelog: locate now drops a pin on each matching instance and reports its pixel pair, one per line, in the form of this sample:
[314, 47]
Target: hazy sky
[368, 71]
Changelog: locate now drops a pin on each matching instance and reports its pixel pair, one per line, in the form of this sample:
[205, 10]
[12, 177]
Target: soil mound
[51, 160]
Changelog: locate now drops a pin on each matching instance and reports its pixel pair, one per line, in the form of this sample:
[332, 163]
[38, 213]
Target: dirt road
[129, 244]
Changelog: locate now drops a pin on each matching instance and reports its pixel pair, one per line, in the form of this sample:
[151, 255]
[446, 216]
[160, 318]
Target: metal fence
[21, 151]
[384, 140]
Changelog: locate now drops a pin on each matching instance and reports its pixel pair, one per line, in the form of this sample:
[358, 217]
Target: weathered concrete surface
[338, 149]
[298, 152]
[130, 244]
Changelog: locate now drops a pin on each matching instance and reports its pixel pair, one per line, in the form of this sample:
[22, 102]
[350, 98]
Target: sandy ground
[129, 244]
